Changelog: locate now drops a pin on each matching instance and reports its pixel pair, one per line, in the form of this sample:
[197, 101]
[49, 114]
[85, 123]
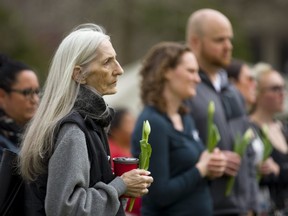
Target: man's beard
[216, 61]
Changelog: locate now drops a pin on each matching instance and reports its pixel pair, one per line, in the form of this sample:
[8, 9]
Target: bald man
[209, 35]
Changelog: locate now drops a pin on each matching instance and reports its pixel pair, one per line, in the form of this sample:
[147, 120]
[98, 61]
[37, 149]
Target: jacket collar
[224, 83]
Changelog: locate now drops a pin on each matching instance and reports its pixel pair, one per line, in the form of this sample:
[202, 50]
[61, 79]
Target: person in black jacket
[270, 98]
[242, 77]
[179, 160]
[65, 156]
[19, 97]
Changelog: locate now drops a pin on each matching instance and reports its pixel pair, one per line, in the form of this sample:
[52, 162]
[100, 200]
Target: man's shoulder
[204, 94]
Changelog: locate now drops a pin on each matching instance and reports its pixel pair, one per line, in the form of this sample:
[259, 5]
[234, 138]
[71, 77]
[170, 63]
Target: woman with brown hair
[180, 164]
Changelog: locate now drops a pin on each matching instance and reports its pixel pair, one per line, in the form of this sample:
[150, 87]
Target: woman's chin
[110, 92]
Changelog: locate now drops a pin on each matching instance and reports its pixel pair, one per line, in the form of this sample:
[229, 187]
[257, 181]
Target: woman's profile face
[104, 70]
[247, 85]
[182, 80]
[22, 101]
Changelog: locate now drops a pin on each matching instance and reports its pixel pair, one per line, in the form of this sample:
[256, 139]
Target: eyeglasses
[28, 93]
[276, 89]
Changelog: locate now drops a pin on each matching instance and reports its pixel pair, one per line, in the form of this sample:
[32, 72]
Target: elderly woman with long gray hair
[65, 155]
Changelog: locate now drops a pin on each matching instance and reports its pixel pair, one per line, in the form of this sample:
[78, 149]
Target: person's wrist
[276, 169]
[202, 169]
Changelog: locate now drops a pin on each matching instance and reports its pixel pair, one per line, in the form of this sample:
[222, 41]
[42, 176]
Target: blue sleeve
[165, 189]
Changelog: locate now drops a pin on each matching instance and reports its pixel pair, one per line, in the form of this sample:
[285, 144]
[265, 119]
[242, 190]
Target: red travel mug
[124, 164]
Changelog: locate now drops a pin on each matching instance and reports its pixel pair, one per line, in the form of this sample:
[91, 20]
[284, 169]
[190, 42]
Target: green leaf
[266, 142]
[241, 143]
[230, 185]
[145, 154]
[268, 148]
[240, 146]
[212, 130]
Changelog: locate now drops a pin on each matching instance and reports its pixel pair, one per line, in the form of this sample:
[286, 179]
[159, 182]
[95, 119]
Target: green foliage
[134, 26]
[213, 135]
[146, 150]
[268, 148]
[145, 154]
[18, 45]
[240, 42]
[240, 146]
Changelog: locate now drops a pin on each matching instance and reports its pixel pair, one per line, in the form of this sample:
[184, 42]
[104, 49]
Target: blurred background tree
[30, 30]
[17, 43]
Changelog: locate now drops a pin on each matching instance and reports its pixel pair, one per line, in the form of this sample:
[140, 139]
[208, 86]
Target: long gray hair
[79, 48]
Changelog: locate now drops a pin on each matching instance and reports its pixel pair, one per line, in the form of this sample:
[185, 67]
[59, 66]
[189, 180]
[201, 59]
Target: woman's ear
[77, 75]
[168, 74]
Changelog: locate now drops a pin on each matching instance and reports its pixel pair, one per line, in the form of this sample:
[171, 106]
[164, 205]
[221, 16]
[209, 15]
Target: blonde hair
[79, 48]
[259, 70]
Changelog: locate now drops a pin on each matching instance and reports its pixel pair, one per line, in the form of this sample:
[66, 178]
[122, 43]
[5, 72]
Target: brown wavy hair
[159, 59]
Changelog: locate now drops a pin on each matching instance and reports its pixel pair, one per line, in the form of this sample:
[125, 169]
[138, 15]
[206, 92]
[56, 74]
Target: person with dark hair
[119, 137]
[19, 97]
[243, 79]
[65, 157]
[120, 132]
[179, 162]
